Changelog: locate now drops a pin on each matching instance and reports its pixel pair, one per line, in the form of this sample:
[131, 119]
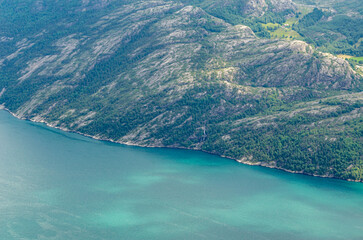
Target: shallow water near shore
[57, 185]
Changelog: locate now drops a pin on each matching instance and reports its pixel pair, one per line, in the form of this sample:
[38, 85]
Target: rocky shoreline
[243, 161]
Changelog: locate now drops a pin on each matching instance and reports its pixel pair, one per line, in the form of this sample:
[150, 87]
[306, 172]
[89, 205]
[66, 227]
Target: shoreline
[246, 162]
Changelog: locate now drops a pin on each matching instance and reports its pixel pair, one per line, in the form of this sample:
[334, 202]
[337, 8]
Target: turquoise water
[56, 185]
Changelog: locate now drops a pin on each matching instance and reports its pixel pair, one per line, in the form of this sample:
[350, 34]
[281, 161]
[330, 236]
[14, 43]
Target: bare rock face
[167, 51]
[162, 73]
[282, 5]
[252, 8]
[256, 8]
[38, 5]
[94, 4]
[174, 35]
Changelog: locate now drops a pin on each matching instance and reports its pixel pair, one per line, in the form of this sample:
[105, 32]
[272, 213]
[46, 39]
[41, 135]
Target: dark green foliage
[339, 35]
[311, 18]
[233, 16]
[275, 17]
[296, 145]
[260, 113]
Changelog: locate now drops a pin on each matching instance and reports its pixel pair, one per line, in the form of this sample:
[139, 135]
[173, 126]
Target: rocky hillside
[169, 74]
[256, 8]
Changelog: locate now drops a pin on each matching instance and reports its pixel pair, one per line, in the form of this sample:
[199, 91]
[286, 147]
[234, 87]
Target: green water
[56, 185]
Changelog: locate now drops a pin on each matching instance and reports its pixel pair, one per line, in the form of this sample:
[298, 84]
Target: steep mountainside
[254, 8]
[334, 26]
[170, 74]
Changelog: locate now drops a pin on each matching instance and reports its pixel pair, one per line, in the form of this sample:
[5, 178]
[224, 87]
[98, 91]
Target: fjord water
[57, 185]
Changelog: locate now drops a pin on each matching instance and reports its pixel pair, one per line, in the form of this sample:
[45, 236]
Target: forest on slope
[204, 75]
